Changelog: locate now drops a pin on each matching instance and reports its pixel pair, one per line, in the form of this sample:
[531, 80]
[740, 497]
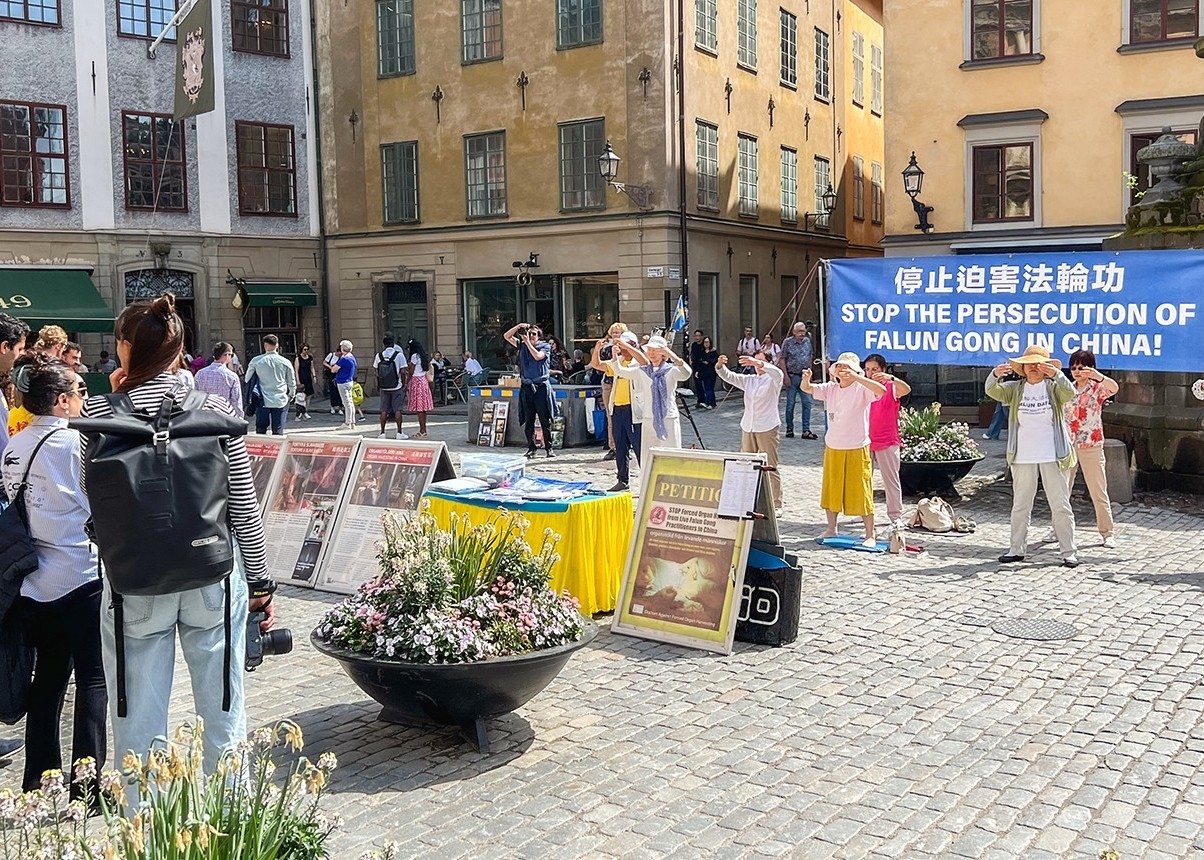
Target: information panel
[266, 456]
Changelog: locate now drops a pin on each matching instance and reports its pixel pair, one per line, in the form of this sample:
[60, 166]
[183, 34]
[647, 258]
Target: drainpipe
[681, 162]
[324, 281]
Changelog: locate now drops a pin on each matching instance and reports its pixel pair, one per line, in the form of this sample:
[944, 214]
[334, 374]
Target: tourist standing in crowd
[535, 397]
[1084, 420]
[558, 358]
[797, 355]
[660, 371]
[749, 345]
[344, 368]
[303, 367]
[332, 388]
[847, 485]
[12, 344]
[1039, 445]
[150, 337]
[760, 422]
[218, 379]
[421, 371]
[694, 357]
[183, 372]
[708, 360]
[106, 363]
[391, 368]
[578, 364]
[885, 442]
[999, 420]
[52, 340]
[772, 351]
[60, 601]
[73, 357]
[627, 413]
[277, 384]
[598, 361]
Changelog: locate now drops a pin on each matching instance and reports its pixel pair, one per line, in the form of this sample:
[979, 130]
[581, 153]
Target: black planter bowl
[455, 694]
[927, 477]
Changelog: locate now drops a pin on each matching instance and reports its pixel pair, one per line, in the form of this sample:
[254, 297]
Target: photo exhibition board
[385, 475]
[305, 493]
[685, 566]
[492, 430]
[267, 455]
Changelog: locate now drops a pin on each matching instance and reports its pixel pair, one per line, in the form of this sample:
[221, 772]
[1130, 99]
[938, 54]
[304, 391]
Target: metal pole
[184, 9]
[681, 164]
[821, 276]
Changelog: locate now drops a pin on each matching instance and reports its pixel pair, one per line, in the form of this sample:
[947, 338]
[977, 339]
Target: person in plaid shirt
[218, 379]
[1084, 419]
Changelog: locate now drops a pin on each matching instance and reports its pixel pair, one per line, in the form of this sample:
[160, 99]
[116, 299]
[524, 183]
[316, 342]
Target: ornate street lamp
[913, 183]
[608, 166]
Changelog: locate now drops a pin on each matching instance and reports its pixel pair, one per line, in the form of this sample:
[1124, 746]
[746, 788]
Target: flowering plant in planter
[926, 440]
[459, 595]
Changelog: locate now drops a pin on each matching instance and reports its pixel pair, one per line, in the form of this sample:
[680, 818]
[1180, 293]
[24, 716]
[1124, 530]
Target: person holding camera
[535, 397]
[150, 335]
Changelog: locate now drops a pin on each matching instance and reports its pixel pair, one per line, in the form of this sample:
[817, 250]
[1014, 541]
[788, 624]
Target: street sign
[656, 271]
[675, 273]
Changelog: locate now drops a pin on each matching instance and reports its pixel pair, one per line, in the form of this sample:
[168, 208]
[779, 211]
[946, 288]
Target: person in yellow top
[624, 420]
[601, 355]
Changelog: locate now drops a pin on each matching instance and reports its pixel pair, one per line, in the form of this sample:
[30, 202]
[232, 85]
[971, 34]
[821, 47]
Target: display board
[266, 458]
[492, 432]
[304, 496]
[685, 566]
[385, 475]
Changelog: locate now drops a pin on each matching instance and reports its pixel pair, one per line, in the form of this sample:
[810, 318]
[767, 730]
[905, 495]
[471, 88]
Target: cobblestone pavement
[898, 725]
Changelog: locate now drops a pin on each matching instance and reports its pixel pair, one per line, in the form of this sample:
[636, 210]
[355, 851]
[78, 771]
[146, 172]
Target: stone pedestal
[1118, 471]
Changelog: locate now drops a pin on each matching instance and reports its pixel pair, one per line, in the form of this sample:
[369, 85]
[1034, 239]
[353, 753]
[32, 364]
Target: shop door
[406, 314]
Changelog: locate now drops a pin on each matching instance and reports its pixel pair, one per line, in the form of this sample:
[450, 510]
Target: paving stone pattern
[898, 725]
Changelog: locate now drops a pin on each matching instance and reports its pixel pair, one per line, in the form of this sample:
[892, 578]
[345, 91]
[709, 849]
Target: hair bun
[164, 306]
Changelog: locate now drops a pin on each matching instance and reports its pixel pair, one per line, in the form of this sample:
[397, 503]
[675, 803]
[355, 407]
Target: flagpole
[184, 9]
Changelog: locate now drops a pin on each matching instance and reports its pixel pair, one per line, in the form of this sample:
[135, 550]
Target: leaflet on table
[386, 475]
[265, 453]
[533, 489]
[304, 497]
[685, 566]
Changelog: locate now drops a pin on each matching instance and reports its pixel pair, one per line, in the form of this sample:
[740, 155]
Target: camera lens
[277, 642]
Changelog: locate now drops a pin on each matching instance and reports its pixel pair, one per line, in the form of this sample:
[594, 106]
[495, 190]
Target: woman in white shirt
[60, 601]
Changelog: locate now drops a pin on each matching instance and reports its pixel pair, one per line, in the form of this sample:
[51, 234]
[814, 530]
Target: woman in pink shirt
[884, 432]
[1084, 420]
[848, 479]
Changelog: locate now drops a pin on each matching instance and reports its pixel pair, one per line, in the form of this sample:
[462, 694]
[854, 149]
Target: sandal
[419, 435]
[964, 525]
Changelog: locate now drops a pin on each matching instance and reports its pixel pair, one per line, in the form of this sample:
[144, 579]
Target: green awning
[54, 296]
[289, 294]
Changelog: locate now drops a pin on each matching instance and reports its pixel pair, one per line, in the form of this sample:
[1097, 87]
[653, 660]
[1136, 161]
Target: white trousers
[648, 439]
[1024, 492]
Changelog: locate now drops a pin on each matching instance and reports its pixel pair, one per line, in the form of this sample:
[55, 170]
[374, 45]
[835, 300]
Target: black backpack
[387, 374]
[158, 485]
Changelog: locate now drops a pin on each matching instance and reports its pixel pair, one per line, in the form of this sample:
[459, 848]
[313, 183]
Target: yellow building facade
[460, 146]
[1026, 117]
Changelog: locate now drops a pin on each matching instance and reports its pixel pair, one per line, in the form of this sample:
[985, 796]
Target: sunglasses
[81, 390]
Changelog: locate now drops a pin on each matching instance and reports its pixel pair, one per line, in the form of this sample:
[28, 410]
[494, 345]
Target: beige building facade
[460, 149]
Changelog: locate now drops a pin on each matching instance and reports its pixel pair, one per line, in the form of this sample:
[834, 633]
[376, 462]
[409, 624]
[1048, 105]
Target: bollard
[1117, 471]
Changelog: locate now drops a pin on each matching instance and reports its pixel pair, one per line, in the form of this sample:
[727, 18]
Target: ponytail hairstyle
[155, 334]
[40, 379]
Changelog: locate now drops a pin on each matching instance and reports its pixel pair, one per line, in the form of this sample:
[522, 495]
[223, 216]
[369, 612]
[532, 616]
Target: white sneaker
[382, 435]
[403, 436]
[333, 410]
[1110, 542]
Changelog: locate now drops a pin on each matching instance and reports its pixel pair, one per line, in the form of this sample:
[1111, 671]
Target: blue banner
[1136, 310]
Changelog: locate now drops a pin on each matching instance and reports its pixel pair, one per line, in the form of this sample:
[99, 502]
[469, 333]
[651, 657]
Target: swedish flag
[679, 316]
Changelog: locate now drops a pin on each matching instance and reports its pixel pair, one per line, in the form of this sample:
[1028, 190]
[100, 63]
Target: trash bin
[600, 425]
[769, 606]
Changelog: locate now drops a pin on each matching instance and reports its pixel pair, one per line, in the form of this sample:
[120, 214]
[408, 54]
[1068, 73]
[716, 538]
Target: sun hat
[629, 338]
[657, 342]
[1035, 354]
[851, 361]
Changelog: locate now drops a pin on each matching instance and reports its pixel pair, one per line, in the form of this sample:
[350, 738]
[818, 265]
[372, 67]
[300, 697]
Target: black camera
[260, 645]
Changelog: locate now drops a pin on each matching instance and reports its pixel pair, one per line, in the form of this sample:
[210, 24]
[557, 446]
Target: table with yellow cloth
[594, 530]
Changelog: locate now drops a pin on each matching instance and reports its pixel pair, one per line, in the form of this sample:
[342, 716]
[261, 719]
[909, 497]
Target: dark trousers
[275, 416]
[332, 391]
[536, 401]
[65, 633]
[627, 438]
[708, 390]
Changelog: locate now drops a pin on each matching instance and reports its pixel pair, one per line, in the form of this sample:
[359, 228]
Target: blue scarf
[660, 395]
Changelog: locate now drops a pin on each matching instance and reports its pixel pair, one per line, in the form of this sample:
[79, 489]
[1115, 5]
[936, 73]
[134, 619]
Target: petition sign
[1136, 310]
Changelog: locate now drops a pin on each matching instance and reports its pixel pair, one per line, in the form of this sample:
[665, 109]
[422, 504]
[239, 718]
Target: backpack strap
[119, 649]
[226, 656]
[194, 400]
[120, 403]
[19, 495]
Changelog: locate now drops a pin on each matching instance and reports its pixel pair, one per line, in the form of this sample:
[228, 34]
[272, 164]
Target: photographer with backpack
[169, 482]
[390, 367]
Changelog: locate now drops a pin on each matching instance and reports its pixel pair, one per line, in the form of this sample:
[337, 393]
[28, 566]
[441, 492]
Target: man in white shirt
[471, 366]
[760, 423]
[391, 382]
[747, 347]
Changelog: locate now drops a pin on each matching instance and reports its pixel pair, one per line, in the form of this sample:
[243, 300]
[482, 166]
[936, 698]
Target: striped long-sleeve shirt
[244, 507]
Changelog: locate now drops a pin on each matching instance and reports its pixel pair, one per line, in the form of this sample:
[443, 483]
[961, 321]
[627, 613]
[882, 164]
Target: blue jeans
[151, 624]
[708, 390]
[793, 392]
[998, 421]
[266, 414]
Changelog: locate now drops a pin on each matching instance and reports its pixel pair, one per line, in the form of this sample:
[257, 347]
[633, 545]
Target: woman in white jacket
[656, 375]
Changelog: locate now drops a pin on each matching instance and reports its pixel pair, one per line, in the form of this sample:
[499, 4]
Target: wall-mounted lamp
[771, 107]
[524, 278]
[727, 94]
[828, 203]
[354, 120]
[806, 124]
[913, 183]
[437, 98]
[522, 83]
[645, 77]
[730, 252]
[608, 166]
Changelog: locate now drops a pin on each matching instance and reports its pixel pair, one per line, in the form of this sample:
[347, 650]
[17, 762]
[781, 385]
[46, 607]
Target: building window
[485, 174]
[1003, 183]
[748, 175]
[876, 79]
[707, 145]
[31, 11]
[578, 22]
[823, 178]
[581, 185]
[145, 19]
[746, 33]
[858, 69]
[33, 155]
[399, 181]
[748, 302]
[823, 79]
[789, 49]
[267, 169]
[876, 192]
[705, 15]
[789, 184]
[394, 38]
[260, 26]
[1162, 20]
[858, 188]
[1140, 171]
[283, 322]
[1001, 28]
[153, 150]
[481, 30]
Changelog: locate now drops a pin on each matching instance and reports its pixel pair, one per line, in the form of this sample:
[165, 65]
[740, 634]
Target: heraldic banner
[195, 47]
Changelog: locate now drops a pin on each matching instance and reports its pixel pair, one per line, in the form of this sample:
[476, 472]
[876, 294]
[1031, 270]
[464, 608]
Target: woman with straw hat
[1038, 445]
